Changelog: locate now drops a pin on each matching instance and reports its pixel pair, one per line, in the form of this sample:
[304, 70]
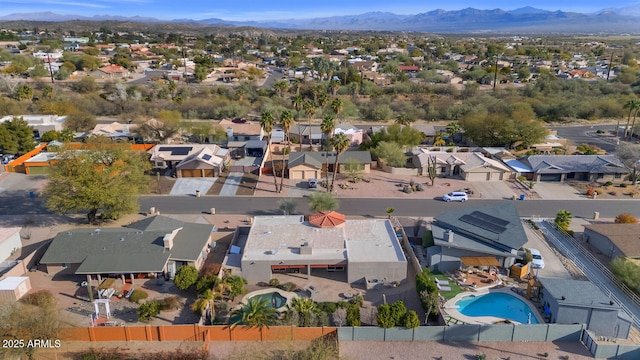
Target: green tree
[384, 318]
[327, 127]
[39, 71]
[86, 85]
[411, 320]
[50, 135]
[186, 277]
[337, 105]
[147, 310]
[104, 178]
[309, 108]
[286, 122]
[80, 121]
[353, 315]
[563, 219]
[267, 122]
[297, 102]
[24, 92]
[17, 137]
[626, 271]
[256, 313]
[287, 205]
[391, 153]
[281, 87]
[340, 143]
[398, 311]
[322, 201]
[633, 106]
[306, 310]
[204, 301]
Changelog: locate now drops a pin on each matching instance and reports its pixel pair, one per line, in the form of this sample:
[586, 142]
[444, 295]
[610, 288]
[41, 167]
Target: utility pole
[610, 63]
[495, 74]
[50, 69]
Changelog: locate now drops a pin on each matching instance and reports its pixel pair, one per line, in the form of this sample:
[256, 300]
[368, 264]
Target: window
[247, 138]
[617, 176]
[600, 175]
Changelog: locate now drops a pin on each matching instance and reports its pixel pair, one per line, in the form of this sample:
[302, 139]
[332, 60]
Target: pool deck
[451, 309]
[286, 294]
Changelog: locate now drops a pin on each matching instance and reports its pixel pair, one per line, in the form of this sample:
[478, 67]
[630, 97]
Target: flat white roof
[280, 238]
[12, 282]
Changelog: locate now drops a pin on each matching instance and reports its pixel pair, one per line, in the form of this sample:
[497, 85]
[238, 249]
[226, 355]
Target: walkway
[230, 186]
[598, 274]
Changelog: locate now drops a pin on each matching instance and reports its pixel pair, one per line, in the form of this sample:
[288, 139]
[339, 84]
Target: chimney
[305, 249]
[168, 239]
[449, 235]
[229, 133]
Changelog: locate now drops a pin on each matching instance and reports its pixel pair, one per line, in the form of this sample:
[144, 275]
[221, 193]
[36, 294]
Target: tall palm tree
[337, 105]
[327, 126]
[323, 100]
[340, 143]
[280, 87]
[205, 302]
[286, 122]
[633, 106]
[267, 122]
[452, 129]
[335, 86]
[298, 101]
[633, 123]
[403, 119]
[256, 313]
[309, 109]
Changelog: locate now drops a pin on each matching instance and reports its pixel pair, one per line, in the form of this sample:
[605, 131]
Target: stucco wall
[388, 271]
[9, 245]
[400, 171]
[602, 243]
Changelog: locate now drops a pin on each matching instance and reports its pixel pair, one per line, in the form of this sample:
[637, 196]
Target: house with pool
[365, 250]
[484, 236]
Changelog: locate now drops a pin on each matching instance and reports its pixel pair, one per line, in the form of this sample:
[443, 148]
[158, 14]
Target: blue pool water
[275, 299]
[499, 305]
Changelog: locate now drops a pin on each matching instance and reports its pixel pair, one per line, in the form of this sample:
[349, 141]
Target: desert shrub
[138, 295]
[626, 218]
[384, 318]
[357, 300]
[353, 315]
[328, 307]
[419, 187]
[411, 320]
[206, 282]
[626, 271]
[39, 298]
[608, 183]
[288, 286]
[342, 304]
[521, 178]
[599, 191]
[169, 303]
[407, 189]
[623, 185]
[148, 310]
[398, 311]
[274, 282]
[590, 192]
[117, 354]
[450, 150]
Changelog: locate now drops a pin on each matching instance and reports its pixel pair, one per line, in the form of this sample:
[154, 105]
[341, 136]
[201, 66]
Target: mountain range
[522, 20]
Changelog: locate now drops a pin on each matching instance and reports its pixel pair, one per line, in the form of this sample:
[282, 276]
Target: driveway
[230, 186]
[189, 186]
[556, 191]
[553, 266]
[492, 189]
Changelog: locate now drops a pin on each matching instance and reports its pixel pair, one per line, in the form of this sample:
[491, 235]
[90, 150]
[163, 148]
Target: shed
[13, 288]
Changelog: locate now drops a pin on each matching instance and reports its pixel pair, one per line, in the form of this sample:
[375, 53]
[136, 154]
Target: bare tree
[630, 157]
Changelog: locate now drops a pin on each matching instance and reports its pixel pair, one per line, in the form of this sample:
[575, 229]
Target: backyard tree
[626, 218]
[186, 277]
[256, 313]
[398, 311]
[563, 219]
[630, 157]
[626, 271]
[287, 205]
[267, 121]
[16, 137]
[106, 178]
[322, 201]
[353, 315]
[391, 153]
[384, 318]
[411, 320]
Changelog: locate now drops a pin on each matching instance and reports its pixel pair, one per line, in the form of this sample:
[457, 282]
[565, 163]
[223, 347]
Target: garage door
[190, 173]
[208, 173]
[476, 176]
[550, 177]
[296, 174]
[309, 174]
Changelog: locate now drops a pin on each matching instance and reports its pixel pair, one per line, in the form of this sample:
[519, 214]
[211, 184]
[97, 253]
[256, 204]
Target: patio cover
[327, 219]
[479, 261]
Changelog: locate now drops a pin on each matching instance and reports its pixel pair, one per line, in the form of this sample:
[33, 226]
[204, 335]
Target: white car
[538, 261]
[456, 196]
[313, 183]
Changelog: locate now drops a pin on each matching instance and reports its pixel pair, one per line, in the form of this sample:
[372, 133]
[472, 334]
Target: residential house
[489, 236]
[367, 250]
[240, 134]
[40, 123]
[559, 168]
[302, 132]
[428, 131]
[568, 301]
[470, 166]
[312, 164]
[115, 130]
[190, 160]
[614, 240]
[354, 134]
[151, 247]
[111, 72]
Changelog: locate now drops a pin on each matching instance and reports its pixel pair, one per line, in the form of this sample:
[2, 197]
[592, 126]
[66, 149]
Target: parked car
[538, 261]
[455, 196]
[239, 120]
[313, 183]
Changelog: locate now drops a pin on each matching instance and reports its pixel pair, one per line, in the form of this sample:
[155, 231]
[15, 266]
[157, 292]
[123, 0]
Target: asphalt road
[587, 135]
[377, 207]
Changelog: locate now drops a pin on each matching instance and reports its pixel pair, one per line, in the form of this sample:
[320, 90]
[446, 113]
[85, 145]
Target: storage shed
[13, 288]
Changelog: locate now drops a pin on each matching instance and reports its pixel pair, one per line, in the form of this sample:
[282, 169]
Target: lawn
[455, 289]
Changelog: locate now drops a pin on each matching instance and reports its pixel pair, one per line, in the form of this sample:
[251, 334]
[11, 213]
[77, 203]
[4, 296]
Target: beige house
[312, 164]
[470, 166]
[190, 160]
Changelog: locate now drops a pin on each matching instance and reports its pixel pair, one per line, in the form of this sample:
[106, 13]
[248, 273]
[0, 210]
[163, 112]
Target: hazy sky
[282, 9]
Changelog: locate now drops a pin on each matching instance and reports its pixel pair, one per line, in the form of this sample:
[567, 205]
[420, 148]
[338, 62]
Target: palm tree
[633, 106]
[298, 101]
[452, 129]
[309, 109]
[305, 308]
[267, 122]
[323, 100]
[563, 219]
[327, 126]
[286, 122]
[316, 91]
[633, 123]
[340, 143]
[256, 313]
[335, 86]
[403, 119]
[281, 87]
[205, 302]
[337, 105]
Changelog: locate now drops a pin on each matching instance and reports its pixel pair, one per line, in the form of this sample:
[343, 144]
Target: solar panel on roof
[206, 157]
[181, 150]
[489, 218]
[483, 224]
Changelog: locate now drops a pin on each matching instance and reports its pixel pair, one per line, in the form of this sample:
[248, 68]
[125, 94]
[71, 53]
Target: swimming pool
[498, 304]
[275, 300]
